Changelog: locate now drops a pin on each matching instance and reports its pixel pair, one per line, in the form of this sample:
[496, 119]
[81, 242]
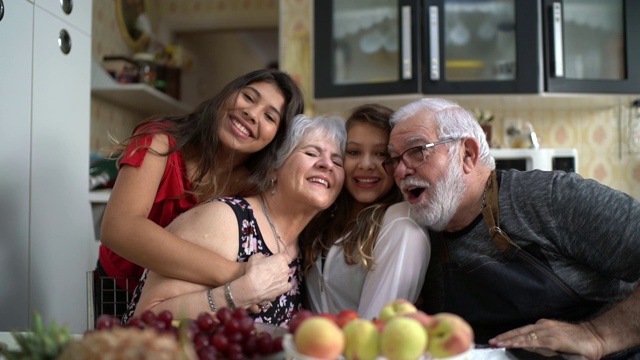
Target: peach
[403, 338]
[396, 308]
[449, 335]
[362, 340]
[320, 338]
[423, 318]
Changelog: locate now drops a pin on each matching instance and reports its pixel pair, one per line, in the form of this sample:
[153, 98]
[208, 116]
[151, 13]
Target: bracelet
[212, 305]
[227, 293]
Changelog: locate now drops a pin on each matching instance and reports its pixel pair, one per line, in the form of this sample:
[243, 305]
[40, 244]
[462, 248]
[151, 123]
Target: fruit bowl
[292, 354]
[273, 330]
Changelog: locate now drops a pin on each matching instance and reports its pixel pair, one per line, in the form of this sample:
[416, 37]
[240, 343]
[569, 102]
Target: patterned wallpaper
[602, 136]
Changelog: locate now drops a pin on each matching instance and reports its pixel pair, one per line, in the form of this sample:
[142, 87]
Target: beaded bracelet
[227, 292]
[212, 305]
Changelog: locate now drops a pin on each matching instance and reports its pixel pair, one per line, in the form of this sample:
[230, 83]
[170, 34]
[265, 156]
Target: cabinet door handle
[64, 41]
[434, 44]
[558, 46]
[67, 6]
[1, 9]
[407, 63]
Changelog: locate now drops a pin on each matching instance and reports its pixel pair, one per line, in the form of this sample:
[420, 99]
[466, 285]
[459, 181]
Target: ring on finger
[265, 306]
[533, 336]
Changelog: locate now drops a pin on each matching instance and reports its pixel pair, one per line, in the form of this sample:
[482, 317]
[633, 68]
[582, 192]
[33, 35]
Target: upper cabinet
[365, 47]
[384, 47]
[592, 46]
[75, 13]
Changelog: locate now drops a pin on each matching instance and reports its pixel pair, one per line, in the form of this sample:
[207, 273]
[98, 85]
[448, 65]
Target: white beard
[441, 201]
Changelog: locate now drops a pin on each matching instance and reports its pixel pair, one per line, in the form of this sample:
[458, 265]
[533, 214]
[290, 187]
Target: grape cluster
[227, 334]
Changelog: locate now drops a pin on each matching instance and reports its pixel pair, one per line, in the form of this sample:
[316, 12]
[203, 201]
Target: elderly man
[536, 259]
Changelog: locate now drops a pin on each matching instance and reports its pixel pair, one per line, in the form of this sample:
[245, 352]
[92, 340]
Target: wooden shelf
[137, 97]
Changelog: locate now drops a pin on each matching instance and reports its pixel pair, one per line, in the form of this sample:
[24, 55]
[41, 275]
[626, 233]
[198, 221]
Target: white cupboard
[16, 32]
[49, 111]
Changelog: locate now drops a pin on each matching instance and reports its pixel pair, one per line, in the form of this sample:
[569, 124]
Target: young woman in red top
[172, 163]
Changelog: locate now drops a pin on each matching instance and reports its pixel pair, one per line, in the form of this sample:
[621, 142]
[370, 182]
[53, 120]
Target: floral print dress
[251, 242]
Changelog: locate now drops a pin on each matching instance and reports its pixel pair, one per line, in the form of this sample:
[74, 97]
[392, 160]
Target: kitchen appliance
[565, 159]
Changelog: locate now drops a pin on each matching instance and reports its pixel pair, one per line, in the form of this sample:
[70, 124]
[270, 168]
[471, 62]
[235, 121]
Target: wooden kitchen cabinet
[46, 104]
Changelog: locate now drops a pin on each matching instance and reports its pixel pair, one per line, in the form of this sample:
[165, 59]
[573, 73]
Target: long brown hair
[196, 134]
[360, 234]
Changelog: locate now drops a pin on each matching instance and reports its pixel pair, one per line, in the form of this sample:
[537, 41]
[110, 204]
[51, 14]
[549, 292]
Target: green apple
[320, 338]
[403, 338]
[362, 340]
[396, 308]
[449, 335]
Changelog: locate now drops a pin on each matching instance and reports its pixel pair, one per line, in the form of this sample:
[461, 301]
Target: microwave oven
[565, 159]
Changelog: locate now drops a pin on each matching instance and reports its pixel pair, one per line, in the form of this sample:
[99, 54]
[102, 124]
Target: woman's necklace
[273, 228]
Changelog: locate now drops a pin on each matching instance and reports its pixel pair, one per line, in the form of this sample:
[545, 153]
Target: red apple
[329, 316]
[423, 318]
[346, 316]
[297, 319]
[449, 335]
[379, 324]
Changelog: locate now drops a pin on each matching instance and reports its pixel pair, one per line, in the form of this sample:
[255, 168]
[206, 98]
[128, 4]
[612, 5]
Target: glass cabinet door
[365, 42]
[480, 46]
[592, 45]
[365, 47]
[479, 40]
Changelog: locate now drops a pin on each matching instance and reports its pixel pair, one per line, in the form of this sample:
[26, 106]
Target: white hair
[452, 121]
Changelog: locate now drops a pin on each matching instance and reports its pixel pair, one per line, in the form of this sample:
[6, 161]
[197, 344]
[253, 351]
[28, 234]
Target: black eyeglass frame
[392, 163]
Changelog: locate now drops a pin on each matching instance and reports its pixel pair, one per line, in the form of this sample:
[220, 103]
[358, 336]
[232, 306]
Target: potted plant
[485, 119]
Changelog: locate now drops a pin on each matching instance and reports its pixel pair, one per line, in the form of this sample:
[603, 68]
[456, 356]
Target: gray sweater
[588, 232]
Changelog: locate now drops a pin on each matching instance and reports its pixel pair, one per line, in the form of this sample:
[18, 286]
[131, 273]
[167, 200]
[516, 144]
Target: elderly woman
[307, 179]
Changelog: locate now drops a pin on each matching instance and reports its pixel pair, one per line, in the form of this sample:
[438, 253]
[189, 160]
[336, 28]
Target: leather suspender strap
[491, 214]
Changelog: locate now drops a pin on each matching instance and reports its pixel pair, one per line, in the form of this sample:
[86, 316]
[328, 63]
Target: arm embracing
[127, 230]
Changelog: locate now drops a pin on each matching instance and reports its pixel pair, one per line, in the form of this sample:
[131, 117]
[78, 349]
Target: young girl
[368, 251]
[172, 163]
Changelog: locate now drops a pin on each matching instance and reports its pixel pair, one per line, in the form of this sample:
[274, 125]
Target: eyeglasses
[412, 157]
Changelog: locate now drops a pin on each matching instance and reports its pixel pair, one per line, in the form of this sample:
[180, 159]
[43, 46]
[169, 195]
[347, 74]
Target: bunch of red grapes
[227, 334]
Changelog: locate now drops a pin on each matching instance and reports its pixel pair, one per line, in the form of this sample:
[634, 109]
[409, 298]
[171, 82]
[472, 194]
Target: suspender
[491, 214]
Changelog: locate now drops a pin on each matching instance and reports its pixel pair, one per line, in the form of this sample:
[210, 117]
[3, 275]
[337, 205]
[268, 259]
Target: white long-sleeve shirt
[402, 252]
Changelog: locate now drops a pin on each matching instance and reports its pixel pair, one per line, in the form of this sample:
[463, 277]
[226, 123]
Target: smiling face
[252, 118]
[435, 188]
[313, 173]
[365, 179]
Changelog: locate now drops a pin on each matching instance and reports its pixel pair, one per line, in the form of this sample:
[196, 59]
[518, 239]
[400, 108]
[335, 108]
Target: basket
[107, 295]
